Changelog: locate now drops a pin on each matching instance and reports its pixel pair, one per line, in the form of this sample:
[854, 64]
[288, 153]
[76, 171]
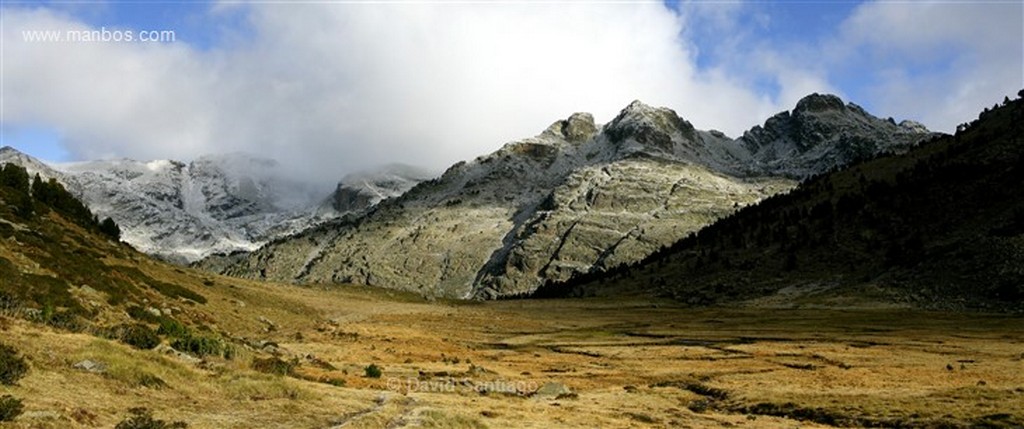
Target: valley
[631, 362]
[511, 214]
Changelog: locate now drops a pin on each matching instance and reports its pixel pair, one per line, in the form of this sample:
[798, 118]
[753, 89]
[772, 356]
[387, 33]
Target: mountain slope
[52, 252]
[941, 227]
[577, 198]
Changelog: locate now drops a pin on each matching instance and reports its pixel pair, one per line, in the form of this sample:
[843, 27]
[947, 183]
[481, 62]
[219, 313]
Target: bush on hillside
[273, 365]
[12, 366]
[172, 328]
[202, 346]
[142, 418]
[373, 371]
[139, 336]
[10, 408]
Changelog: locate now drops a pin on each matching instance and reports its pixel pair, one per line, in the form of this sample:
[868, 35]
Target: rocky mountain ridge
[940, 227]
[576, 198]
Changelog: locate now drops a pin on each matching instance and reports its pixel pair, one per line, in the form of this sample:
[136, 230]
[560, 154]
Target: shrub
[200, 346]
[67, 320]
[151, 381]
[139, 336]
[12, 366]
[142, 418]
[139, 313]
[699, 406]
[8, 301]
[273, 365]
[10, 408]
[173, 328]
[373, 371]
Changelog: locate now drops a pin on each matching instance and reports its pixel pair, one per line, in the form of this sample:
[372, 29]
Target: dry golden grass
[471, 365]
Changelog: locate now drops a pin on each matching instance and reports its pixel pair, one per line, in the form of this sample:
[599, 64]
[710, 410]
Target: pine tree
[110, 228]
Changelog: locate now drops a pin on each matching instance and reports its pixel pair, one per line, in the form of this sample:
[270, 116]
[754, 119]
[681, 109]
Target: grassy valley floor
[595, 362]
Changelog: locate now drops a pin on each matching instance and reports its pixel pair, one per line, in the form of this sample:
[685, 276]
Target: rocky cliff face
[578, 197]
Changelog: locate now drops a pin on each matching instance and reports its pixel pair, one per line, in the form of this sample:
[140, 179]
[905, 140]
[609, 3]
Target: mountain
[359, 191]
[822, 133]
[941, 226]
[185, 211]
[216, 204]
[576, 198]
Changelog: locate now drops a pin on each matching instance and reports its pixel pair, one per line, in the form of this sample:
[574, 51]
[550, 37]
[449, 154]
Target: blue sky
[192, 21]
[332, 87]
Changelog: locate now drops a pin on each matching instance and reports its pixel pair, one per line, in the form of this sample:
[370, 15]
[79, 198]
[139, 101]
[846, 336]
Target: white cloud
[337, 87]
[331, 88]
[103, 96]
[733, 39]
[938, 62]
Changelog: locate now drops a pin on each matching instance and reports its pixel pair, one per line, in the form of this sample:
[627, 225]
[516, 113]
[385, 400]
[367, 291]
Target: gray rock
[91, 366]
[182, 356]
[270, 325]
[552, 390]
[41, 415]
[579, 127]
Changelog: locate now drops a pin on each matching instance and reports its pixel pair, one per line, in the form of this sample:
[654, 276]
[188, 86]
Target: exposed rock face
[656, 129]
[579, 127]
[821, 133]
[575, 198]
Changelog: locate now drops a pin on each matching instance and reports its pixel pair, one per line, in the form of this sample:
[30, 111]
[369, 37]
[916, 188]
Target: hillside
[941, 226]
[579, 197]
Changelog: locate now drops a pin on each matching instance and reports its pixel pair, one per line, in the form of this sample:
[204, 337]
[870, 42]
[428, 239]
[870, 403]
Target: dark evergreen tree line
[31, 198]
